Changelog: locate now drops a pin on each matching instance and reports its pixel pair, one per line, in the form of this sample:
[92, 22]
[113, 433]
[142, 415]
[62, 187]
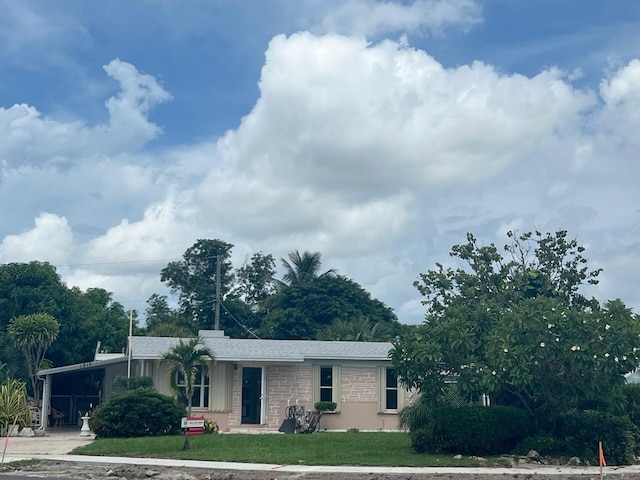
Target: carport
[75, 389]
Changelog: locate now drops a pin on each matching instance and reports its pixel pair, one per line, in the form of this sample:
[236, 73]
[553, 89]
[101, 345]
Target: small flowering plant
[210, 426]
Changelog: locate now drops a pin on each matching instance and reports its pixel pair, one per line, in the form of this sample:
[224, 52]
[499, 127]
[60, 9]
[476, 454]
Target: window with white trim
[201, 387]
[391, 395]
[326, 384]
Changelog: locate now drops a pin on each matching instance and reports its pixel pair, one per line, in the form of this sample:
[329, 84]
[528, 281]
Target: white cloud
[128, 111]
[363, 122]
[164, 232]
[370, 18]
[619, 119]
[31, 139]
[374, 154]
[51, 240]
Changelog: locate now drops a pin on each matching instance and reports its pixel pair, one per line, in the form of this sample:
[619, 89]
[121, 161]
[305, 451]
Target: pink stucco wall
[288, 384]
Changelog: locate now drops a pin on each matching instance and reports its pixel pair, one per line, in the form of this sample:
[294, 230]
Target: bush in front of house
[472, 430]
[141, 412]
[582, 430]
[126, 384]
[631, 404]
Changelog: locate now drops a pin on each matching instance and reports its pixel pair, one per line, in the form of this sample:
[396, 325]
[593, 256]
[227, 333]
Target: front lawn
[322, 448]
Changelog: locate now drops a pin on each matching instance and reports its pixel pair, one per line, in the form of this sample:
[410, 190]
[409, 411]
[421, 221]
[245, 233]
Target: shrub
[472, 430]
[422, 441]
[584, 429]
[630, 405]
[415, 415]
[125, 383]
[138, 413]
[14, 409]
[210, 427]
[325, 406]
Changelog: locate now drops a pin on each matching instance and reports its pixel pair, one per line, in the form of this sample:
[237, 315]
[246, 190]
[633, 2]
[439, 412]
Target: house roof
[237, 349]
[242, 350]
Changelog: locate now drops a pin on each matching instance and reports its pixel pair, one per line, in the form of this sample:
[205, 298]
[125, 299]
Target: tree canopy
[254, 303]
[84, 317]
[303, 310]
[193, 279]
[517, 326]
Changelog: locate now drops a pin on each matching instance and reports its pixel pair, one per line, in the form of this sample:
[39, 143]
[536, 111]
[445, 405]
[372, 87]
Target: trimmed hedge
[141, 412]
[472, 430]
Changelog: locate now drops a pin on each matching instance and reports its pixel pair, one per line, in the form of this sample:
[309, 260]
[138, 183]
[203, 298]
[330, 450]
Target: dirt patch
[74, 470]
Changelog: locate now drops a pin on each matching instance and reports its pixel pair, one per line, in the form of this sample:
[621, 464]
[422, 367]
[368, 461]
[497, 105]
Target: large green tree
[164, 321]
[92, 316]
[85, 317]
[517, 326]
[33, 287]
[256, 279]
[194, 280]
[302, 310]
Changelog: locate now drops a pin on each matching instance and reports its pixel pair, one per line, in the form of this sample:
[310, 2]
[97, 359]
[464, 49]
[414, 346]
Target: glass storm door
[251, 395]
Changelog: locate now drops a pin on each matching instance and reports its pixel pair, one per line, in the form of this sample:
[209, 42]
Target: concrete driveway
[55, 442]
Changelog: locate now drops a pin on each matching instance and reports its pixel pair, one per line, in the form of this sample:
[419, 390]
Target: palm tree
[183, 360]
[303, 268]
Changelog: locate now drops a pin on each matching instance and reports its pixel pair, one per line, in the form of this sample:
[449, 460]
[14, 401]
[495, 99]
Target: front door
[251, 395]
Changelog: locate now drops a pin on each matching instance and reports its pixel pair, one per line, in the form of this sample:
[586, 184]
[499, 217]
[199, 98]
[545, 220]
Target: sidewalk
[57, 445]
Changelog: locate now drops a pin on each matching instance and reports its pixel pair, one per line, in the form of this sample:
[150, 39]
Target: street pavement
[56, 446]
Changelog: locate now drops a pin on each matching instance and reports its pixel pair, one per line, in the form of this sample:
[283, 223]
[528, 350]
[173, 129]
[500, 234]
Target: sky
[375, 132]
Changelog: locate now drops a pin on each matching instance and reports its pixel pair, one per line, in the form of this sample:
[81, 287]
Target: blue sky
[209, 54]
[375, 132]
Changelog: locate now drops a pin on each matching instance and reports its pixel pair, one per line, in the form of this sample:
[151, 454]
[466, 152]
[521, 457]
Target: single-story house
[251, 381]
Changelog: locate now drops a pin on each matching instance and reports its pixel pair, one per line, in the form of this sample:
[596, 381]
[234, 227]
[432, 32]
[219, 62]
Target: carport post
[46, 402]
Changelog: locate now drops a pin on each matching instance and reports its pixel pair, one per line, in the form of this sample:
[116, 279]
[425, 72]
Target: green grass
[323, 448]
[17, 463]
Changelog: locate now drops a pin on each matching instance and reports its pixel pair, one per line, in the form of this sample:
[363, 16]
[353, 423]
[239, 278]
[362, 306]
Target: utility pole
[217, 320]
[129, 349]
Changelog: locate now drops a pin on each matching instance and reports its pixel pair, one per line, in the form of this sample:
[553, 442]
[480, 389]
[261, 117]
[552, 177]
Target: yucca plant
[14, 408]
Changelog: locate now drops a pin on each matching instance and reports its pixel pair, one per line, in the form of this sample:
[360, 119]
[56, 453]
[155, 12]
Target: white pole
[129, 349]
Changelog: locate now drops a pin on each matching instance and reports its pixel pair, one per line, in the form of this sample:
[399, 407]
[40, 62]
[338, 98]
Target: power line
[247, 329]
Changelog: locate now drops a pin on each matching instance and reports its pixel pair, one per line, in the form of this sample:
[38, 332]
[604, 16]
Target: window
[326, 384]
[391, 390]
[391, 396]
[200, 397]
